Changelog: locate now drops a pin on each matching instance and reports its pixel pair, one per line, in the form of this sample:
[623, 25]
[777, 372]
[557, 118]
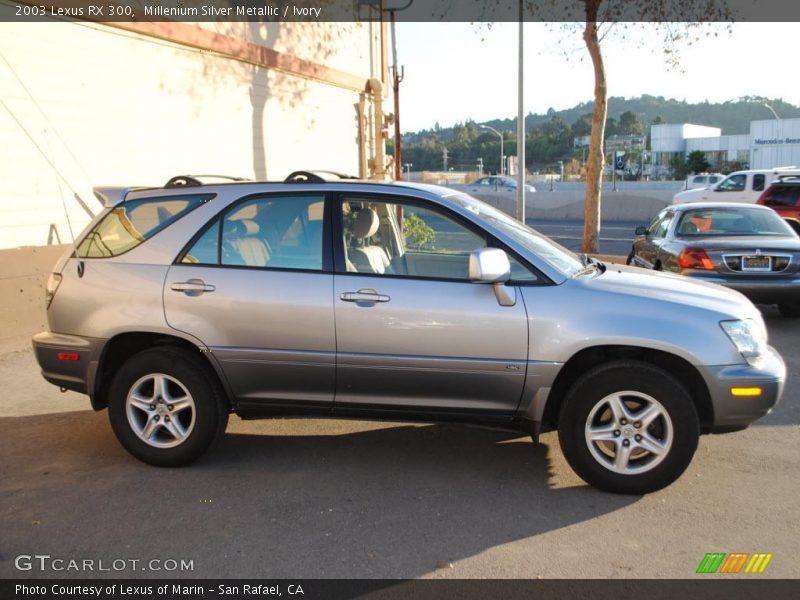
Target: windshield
[730, 222]
[555, 255]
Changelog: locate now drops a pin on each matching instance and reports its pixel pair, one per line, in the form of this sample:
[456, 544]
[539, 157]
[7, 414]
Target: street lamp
[408, 170]
[772, 110]
[501, 145]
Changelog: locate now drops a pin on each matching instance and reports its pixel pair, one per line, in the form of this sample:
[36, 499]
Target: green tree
[678, 19]
[696, 162]
[629, 124]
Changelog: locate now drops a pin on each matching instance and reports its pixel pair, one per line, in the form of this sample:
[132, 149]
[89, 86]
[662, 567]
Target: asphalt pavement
[318, 499]
[615, 237]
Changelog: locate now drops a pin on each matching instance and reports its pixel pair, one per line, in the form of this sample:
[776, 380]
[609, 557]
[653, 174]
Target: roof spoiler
[111, 195]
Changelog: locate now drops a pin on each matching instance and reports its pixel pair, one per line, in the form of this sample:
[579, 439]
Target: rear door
[413, 334]
[255, 287]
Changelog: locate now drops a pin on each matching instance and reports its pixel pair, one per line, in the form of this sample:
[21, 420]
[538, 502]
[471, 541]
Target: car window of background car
[663, 226]
[783, 195]
[758, 182]
[731, 222]
[734, 183]
[131, 223]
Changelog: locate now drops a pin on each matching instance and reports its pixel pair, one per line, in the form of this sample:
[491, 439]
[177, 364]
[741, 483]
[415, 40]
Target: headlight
[749, 337]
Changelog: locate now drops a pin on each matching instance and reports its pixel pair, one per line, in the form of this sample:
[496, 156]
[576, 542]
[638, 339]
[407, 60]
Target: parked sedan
[495, 183]
[747, 248]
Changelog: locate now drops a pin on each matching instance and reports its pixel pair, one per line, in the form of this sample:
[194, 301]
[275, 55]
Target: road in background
[615, 237]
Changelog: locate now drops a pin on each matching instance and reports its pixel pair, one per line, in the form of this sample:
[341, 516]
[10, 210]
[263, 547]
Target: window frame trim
[337, 227]
[216, 220]
[204, 199]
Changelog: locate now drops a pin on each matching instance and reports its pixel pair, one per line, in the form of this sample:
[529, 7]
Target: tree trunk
[594, 166]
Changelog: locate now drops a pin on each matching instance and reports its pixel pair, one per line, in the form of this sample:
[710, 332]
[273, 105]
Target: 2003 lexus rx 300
[391, 301]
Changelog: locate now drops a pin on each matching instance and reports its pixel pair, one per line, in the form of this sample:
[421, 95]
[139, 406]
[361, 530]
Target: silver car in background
[391, 301]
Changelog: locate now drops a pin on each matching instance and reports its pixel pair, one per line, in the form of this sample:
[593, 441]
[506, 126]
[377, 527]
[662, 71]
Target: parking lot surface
[330, 499]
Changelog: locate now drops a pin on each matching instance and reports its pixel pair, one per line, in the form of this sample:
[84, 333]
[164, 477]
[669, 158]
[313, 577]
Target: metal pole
[520, 127]
[502, 156]
[398, 153]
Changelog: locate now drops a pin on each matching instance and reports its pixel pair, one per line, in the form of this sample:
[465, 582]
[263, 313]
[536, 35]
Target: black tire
[627, 375]
[210, 410]
[629, 260]
[791, 311]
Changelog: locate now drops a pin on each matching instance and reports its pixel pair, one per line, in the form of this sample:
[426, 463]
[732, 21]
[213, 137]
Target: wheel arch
[587, 358]
[122, 346]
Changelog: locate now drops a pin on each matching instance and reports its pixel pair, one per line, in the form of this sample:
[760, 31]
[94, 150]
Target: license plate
[756, 263]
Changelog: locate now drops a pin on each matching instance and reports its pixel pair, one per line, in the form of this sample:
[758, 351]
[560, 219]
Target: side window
[653, 226]
[734, 183]
[131, 223]
[662, 227]
[758, 182]
[403, 239]
[205, 250]
[275, 232]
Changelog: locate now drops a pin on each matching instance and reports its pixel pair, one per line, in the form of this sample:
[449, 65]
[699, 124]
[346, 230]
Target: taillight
[52, 286]
[695, 258]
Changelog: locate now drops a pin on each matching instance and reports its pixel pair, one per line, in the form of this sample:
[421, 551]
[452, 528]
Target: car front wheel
[165, 408]
[628, 427]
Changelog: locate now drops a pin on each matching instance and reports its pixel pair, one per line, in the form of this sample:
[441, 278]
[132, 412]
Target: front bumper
[732, 412]
[759, 289]
[56, 354]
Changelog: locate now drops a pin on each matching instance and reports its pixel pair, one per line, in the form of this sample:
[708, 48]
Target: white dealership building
[770, 143]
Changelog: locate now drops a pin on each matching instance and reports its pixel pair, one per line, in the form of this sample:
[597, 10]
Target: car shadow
[317, 499]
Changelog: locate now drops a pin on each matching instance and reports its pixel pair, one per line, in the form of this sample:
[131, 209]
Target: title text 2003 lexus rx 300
[391, 301]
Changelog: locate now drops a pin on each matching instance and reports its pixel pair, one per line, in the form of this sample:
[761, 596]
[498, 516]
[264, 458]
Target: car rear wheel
[628, 427]
[165, 408]
[790, 310]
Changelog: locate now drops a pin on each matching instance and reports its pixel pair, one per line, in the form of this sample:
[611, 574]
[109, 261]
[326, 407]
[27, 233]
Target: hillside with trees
[549, 136]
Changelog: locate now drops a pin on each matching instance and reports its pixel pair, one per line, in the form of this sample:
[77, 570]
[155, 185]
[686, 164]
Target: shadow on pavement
[323, 501]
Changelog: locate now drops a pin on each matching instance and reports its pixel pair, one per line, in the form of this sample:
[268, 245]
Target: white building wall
[774, 143]
[134, 110]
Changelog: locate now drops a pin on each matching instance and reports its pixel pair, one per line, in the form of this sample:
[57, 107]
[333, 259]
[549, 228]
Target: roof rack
[316, 177]
[195, 180]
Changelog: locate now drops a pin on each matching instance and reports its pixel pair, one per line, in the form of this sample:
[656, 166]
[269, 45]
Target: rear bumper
[761, 290]
[56, 354]
[732, 412]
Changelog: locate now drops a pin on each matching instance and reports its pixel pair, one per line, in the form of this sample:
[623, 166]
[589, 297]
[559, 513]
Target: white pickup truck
[739, 186]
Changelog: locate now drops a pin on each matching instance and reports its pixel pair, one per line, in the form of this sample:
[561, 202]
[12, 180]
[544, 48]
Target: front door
[254, 289]
[413, 333]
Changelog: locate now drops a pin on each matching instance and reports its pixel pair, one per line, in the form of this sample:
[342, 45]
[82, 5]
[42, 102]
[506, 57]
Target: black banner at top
[486, 11]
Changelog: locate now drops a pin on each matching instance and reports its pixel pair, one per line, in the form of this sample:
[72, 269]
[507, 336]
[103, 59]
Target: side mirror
[489, 265]
[641, 230]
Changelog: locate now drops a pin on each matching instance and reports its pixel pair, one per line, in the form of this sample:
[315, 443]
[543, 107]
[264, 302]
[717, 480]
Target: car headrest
[242, 227]
[366, 223]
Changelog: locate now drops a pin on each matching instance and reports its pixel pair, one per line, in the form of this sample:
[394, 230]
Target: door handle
[368, 296]
[192, 287]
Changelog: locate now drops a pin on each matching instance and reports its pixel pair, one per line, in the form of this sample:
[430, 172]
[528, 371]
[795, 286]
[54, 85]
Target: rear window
[783, 195]
[133, 222]
[731, 222]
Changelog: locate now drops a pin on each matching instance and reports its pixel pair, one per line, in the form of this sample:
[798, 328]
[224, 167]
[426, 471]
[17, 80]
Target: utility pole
[520, 126]
[480, 167]
[444, 158]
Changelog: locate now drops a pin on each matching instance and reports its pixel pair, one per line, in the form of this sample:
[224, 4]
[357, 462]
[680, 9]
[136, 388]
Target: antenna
[81, 265]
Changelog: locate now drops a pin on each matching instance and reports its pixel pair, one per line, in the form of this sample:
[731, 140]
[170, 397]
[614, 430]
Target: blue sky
[456, 71]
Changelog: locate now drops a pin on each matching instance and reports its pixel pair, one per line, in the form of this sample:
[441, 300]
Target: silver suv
[391, 301]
